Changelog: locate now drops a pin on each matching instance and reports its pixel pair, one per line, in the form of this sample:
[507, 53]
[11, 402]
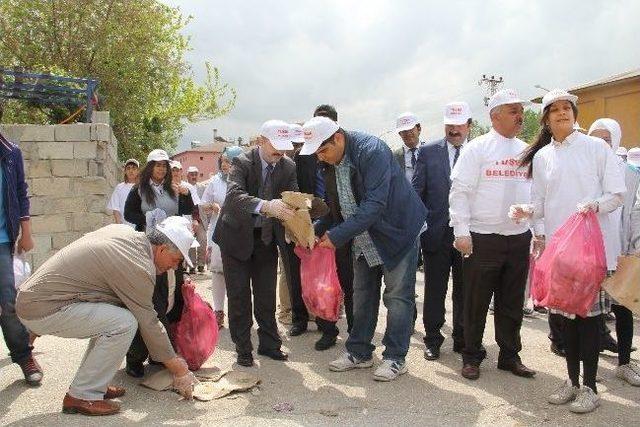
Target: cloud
[375, 59]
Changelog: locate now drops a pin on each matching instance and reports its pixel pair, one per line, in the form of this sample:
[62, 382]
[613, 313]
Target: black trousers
[138, 352]
[299, 313]
[624, 332]
[438, 264]
[255, 276]
[582, 343]
[498, 267]
[556, 325]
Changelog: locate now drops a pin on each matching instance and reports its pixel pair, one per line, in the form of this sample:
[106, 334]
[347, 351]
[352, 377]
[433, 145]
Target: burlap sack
[624, 284]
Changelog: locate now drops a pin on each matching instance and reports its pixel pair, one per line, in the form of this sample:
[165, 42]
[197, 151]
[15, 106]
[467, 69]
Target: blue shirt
[4, 235]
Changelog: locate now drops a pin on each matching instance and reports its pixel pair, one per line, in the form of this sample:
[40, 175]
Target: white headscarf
[614, 129]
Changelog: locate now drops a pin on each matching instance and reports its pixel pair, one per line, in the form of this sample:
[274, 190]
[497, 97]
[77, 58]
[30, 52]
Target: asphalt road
[432, 393]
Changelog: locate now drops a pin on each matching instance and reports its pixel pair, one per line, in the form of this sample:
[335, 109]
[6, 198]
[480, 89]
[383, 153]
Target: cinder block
[38, 133]
[75, 167]
[55, 150]
[84, 150]
[96, 204]
[90, 185]
[101, 117]
[73, 132]
[28, 148]
[39, 205]
[42, 242]
[68, 204]
[60, 240]
[13, 133]
[38, 168]
[101, 132]
[58, 187]
[87, 221]
[50, 223]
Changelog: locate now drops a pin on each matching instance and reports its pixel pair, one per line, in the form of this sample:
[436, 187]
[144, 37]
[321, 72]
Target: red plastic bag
[569, 273]
[321, 289]
[196, 333]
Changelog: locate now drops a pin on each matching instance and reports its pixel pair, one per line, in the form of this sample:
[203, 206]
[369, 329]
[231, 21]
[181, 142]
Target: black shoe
[201, 269]
[325, 342]
[135, 370]
[297, 329]
[275, 354]
[517, 368]
[557, 350]
[540, 309]
[609, 344]
[245, 359]
[432, 353]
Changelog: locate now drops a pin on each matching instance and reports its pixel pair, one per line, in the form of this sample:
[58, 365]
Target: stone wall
[71, 171]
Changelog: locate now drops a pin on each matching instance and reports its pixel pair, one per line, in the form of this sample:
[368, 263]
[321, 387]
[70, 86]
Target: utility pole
[492, 84]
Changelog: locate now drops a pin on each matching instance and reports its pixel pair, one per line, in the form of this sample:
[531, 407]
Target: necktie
[413, 158]
[455, 156]
[266, 193]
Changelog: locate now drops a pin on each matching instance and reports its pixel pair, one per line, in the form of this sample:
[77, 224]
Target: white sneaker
[564, 394]
[389, 370]
[630, 373]
[347, 362]
[586, 401]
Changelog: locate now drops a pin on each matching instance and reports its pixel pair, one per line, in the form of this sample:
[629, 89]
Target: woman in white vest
[121, 192]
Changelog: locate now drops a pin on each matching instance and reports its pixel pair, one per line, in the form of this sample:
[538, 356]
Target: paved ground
[432, 393]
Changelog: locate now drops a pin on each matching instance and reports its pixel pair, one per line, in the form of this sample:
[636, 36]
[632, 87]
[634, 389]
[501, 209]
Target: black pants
[624, 332]
[299, 313]
[438, 264]
[582, 343]
[138, 352]
[256, 276]
[556, 335]
[498, 266]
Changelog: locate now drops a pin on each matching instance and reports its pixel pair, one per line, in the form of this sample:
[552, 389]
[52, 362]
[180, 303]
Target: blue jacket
[16, 201]
[387, 205]
[432, 182]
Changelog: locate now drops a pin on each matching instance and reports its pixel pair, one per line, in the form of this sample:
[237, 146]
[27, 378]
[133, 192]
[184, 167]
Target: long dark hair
[145, 177]
[543, 138]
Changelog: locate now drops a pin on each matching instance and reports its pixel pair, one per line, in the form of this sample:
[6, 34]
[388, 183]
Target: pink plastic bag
[196, 333]
[569, 273]
[321, 289]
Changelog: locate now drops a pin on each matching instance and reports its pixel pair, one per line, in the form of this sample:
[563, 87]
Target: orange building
[204, 157]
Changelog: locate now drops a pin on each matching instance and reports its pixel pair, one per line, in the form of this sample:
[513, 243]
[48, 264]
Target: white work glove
[184, 384]
[464, 245]
[521, 212]
[276, 208]
[590, 206]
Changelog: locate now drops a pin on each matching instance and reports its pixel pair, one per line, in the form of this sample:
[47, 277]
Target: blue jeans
[15, 334]
[398, 298]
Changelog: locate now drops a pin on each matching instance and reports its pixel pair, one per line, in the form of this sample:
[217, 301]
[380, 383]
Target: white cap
[505, 96]
[277, 132]
[157, 155]
[174, 164]
[557, 95]
[457, 113]
[132, 162]
[192, 169]
[406, 121]
[178, 230]
[316, 131]
[622, 151]
[633, 156]
[297, 134]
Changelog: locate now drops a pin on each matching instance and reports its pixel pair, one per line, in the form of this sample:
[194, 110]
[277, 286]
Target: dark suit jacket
[306, 169]
[234, 230]
[432, 182]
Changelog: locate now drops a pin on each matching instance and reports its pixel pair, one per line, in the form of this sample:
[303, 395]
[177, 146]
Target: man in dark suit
[408, 127]
[247, 232]
[432, 182]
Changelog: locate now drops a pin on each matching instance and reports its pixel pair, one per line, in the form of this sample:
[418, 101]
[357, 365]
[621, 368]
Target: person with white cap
[624, 234]
[409, 128]
[198, 254]
[383, 218]
[432, 182]
[212, 201]
[101, 287]
[247, 232]
[572, 172]
[122, 190]
[485, 182]
[155, 197]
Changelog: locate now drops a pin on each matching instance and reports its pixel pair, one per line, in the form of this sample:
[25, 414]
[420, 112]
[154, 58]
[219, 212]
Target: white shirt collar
[567, 141]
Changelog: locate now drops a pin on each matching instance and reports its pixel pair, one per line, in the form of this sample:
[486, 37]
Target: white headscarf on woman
[614, 129]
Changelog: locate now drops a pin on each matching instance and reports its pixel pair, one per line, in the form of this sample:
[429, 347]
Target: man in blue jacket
[15, 231]
[383, 218]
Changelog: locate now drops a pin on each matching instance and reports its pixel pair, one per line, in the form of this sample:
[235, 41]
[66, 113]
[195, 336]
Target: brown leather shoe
[517, 368]
[114, 392]
[71, 405]
[471, 372]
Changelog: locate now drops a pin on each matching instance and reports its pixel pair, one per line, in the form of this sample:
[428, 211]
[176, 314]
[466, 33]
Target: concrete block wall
[71, 171]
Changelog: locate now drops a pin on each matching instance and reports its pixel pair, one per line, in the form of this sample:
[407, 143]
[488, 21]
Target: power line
[492, 84]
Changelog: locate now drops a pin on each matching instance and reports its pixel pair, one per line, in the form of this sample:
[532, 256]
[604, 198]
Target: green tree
[134, 48]
[530, 126]
[477, 129]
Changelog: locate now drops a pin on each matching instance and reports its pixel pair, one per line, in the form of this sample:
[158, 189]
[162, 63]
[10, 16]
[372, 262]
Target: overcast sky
[375, 59]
